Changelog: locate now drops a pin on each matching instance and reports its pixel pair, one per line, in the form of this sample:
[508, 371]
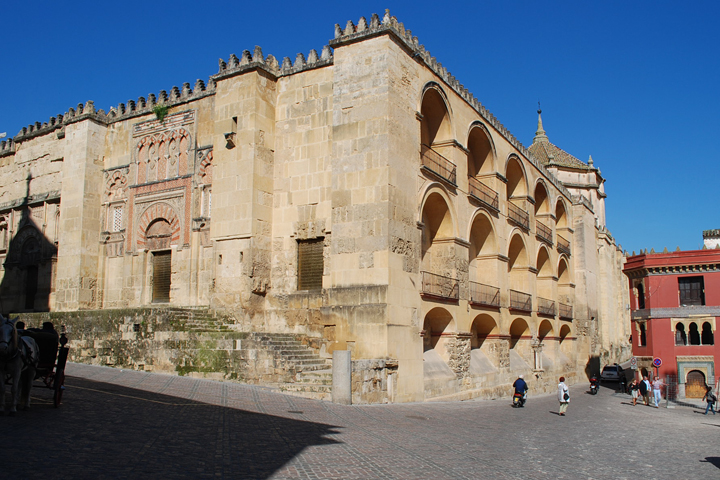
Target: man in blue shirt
[520, 385]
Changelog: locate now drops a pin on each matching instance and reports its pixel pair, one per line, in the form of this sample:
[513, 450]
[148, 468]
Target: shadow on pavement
[714, 460]
[109, 431]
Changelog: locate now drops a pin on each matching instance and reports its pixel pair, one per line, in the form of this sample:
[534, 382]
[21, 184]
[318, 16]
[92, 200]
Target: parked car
[611, 373]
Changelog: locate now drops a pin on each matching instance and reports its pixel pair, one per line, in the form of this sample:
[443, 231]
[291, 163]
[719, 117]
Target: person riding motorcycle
[521, 389]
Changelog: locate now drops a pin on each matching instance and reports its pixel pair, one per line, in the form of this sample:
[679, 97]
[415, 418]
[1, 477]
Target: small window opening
[310, 264]
[641, 296]
[643, 337]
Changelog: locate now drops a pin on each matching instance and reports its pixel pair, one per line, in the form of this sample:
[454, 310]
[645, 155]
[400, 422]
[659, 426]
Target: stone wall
[167, 341]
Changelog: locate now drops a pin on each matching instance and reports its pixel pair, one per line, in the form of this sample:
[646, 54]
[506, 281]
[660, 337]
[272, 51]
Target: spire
[540, 135]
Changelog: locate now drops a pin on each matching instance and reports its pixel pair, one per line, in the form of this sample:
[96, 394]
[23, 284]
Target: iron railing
[546, 306]
[519, 216]
[483, 193]
[563, 245]
[484, 294]
[543, 232]
[439, 286]
[438, 164]
[566, 311]
[520, 301]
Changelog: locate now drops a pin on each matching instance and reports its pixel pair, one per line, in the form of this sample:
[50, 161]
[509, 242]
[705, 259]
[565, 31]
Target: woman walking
[634, 387]
[563, 396]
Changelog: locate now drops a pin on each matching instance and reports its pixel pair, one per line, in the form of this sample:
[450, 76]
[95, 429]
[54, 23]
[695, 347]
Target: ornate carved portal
[158, 236]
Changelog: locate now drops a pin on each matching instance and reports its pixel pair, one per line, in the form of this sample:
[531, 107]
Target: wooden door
[695, 385]
[161, 276]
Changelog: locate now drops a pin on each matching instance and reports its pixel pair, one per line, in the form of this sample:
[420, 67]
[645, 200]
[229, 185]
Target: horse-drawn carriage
[31, 354]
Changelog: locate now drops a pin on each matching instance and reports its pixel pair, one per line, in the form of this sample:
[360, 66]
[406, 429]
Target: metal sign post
[657, 362]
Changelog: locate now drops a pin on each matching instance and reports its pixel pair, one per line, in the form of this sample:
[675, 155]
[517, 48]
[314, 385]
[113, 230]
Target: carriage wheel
[58, 386]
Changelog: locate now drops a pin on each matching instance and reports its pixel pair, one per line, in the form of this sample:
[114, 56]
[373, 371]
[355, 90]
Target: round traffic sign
[657, 362]
[633, 363]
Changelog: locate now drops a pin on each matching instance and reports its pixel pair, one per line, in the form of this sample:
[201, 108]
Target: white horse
[18, 360]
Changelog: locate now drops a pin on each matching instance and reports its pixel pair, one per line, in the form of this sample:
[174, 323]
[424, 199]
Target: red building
[675, 302]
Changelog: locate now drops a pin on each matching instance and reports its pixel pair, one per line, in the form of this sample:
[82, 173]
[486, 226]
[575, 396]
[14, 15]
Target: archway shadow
[105, 430]
[28, 256]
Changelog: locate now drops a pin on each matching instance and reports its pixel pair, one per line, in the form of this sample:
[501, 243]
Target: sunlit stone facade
[360, 197]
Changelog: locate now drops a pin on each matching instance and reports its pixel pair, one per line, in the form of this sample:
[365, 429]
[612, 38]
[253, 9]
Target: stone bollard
[342, 377]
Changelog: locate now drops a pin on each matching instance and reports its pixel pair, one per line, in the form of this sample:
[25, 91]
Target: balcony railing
[546, 307]
[563, 245]
[484, 294]
[483, 193]
[438, 164]
[518, 216]
[438, 286]
[543, 232]
[520, 301]
[566, 311]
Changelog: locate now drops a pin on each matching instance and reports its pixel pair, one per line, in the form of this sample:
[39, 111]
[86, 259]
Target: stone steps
[314, 376]
[199, 319]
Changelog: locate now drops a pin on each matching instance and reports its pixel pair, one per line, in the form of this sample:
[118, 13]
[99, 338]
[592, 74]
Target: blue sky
[634, 84]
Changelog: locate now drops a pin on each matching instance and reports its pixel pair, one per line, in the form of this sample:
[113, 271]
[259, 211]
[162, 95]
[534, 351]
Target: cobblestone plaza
[128, 424]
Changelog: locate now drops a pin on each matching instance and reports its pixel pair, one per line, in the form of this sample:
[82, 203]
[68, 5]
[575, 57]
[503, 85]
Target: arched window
[561, 220]
[707, 334]
[480, 152]
[564, 332]
[680, 335]
[435, 118]
[482, 326]
[438, 323]
[546, 329]
[519, 330]
[694, 334]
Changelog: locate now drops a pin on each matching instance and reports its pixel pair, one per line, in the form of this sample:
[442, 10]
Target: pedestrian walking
[563, 396]
[711, 399]
[645, 390]
[657, 385]
[634, 390]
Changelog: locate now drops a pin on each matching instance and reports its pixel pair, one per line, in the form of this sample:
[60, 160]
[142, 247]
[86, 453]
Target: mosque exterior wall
[360, 197]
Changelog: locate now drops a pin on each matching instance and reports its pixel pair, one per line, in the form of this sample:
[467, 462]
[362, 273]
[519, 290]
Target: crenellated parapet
[255, 60]
[122, 111]
[7, 147]
[82, 112]
[389, 24]
[177, 96]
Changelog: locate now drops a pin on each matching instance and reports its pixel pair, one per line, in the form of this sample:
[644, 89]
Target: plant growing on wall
[161, 111]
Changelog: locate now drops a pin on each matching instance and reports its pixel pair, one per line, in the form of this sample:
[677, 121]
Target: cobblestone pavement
[126, 424]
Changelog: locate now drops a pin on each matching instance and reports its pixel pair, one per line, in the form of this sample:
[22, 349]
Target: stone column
[342, 377]
[537, 347]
